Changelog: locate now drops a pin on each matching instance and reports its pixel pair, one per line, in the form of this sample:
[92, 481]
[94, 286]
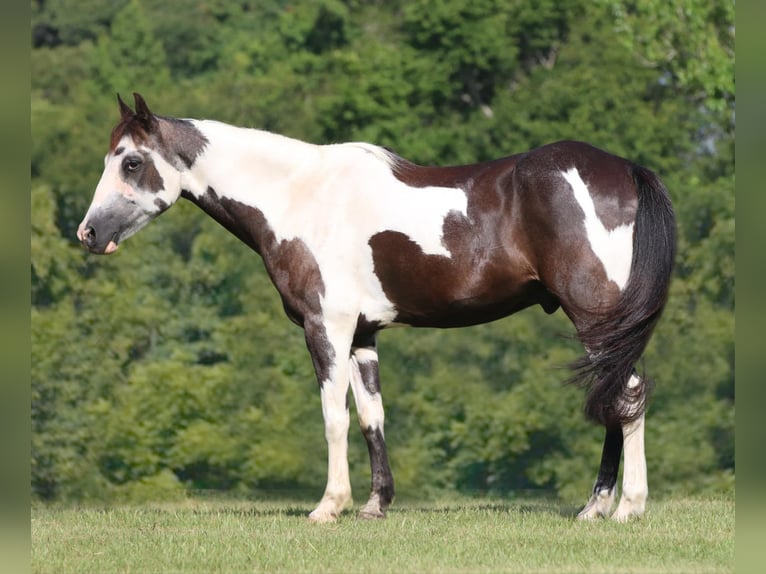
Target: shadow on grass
[499, 507]
[300, 504]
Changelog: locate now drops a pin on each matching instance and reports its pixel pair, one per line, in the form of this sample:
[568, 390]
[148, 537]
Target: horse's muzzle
[87, 236]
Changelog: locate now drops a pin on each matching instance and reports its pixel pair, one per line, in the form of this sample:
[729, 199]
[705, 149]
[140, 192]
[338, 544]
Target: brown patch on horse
[187, 141]
[148, 178]
[487, 275]
[469, 288]
[130, 126]
[290, 264]
[173, 139]
[609, 178]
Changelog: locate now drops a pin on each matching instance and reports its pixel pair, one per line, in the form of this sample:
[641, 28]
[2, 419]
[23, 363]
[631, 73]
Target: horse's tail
[617, 338]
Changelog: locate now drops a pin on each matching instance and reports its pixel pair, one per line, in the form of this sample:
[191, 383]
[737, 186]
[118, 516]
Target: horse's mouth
[112, 246]
[87, 236]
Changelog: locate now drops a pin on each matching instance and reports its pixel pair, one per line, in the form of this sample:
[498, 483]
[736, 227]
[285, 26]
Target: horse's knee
[336, 426]
[370, 412]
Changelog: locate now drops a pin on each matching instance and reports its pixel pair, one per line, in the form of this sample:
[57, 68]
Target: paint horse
[357, 239]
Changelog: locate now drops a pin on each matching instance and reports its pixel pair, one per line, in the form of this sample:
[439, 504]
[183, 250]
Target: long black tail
[617, 338]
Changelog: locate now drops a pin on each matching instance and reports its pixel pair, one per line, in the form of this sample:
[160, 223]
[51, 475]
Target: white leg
[635, 489]
[337, 495]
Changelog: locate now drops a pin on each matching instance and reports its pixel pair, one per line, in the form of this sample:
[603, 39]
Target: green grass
[689, 535]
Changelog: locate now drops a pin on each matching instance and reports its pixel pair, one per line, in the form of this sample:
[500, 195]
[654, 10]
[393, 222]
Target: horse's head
[140, 180]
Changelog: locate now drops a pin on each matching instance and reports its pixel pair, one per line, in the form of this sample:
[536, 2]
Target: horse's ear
[144, 115]
[125, 110]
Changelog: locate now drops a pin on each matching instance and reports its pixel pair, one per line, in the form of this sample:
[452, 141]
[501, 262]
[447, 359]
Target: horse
[357, 239]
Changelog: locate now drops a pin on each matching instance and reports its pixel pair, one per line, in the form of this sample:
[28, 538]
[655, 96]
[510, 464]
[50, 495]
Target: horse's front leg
[330, 347]
[365, 384]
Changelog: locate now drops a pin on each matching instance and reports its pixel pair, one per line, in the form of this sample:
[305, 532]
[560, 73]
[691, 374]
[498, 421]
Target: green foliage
[122, 58]
[170, 367]
[692, 41]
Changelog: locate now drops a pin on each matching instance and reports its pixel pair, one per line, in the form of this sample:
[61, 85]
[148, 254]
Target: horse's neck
[246, 168]
[241, 161]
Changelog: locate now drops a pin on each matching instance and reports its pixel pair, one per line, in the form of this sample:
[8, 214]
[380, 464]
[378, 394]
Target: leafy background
[169, 367]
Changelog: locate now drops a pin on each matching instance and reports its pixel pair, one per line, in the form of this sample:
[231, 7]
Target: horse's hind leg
[627, 439]
[600, 503]
[635, 488]
[622, 438]
[365, 385]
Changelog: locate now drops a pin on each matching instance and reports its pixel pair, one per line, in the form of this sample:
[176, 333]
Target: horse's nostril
[89, 236]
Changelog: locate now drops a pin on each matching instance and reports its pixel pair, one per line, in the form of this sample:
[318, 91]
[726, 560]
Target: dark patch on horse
[495, 268]
[241, 220]
[108, 224]
[132, 126]
[290, 264]
[382, 479]
[364, 334]
[188, 141]
[370, 375]
[459, 176]
[438, 291]
[487, 275]
[321, 350]
[161, 205]
[610, 460]
[148, 177]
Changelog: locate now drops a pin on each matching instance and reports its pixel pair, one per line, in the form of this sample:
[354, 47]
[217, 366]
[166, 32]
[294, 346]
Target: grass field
[476, 535]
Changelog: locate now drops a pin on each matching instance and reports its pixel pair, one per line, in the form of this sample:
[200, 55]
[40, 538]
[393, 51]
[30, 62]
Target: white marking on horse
[635, 489]
[363, 355]
[613, 247]
[355, 186]
[369, 406]
[334, 390]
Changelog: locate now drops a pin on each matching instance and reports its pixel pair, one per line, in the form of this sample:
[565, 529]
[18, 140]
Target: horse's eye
[131, 164]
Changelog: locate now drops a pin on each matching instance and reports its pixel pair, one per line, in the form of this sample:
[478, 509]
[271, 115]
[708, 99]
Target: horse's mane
[381, 153]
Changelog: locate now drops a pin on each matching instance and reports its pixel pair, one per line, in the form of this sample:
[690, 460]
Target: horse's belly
[466, 288]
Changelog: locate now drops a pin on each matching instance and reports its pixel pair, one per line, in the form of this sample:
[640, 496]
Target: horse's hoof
[322, 517]
[371, 514]
[630, 507]
[625, 516]
[589, 514]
